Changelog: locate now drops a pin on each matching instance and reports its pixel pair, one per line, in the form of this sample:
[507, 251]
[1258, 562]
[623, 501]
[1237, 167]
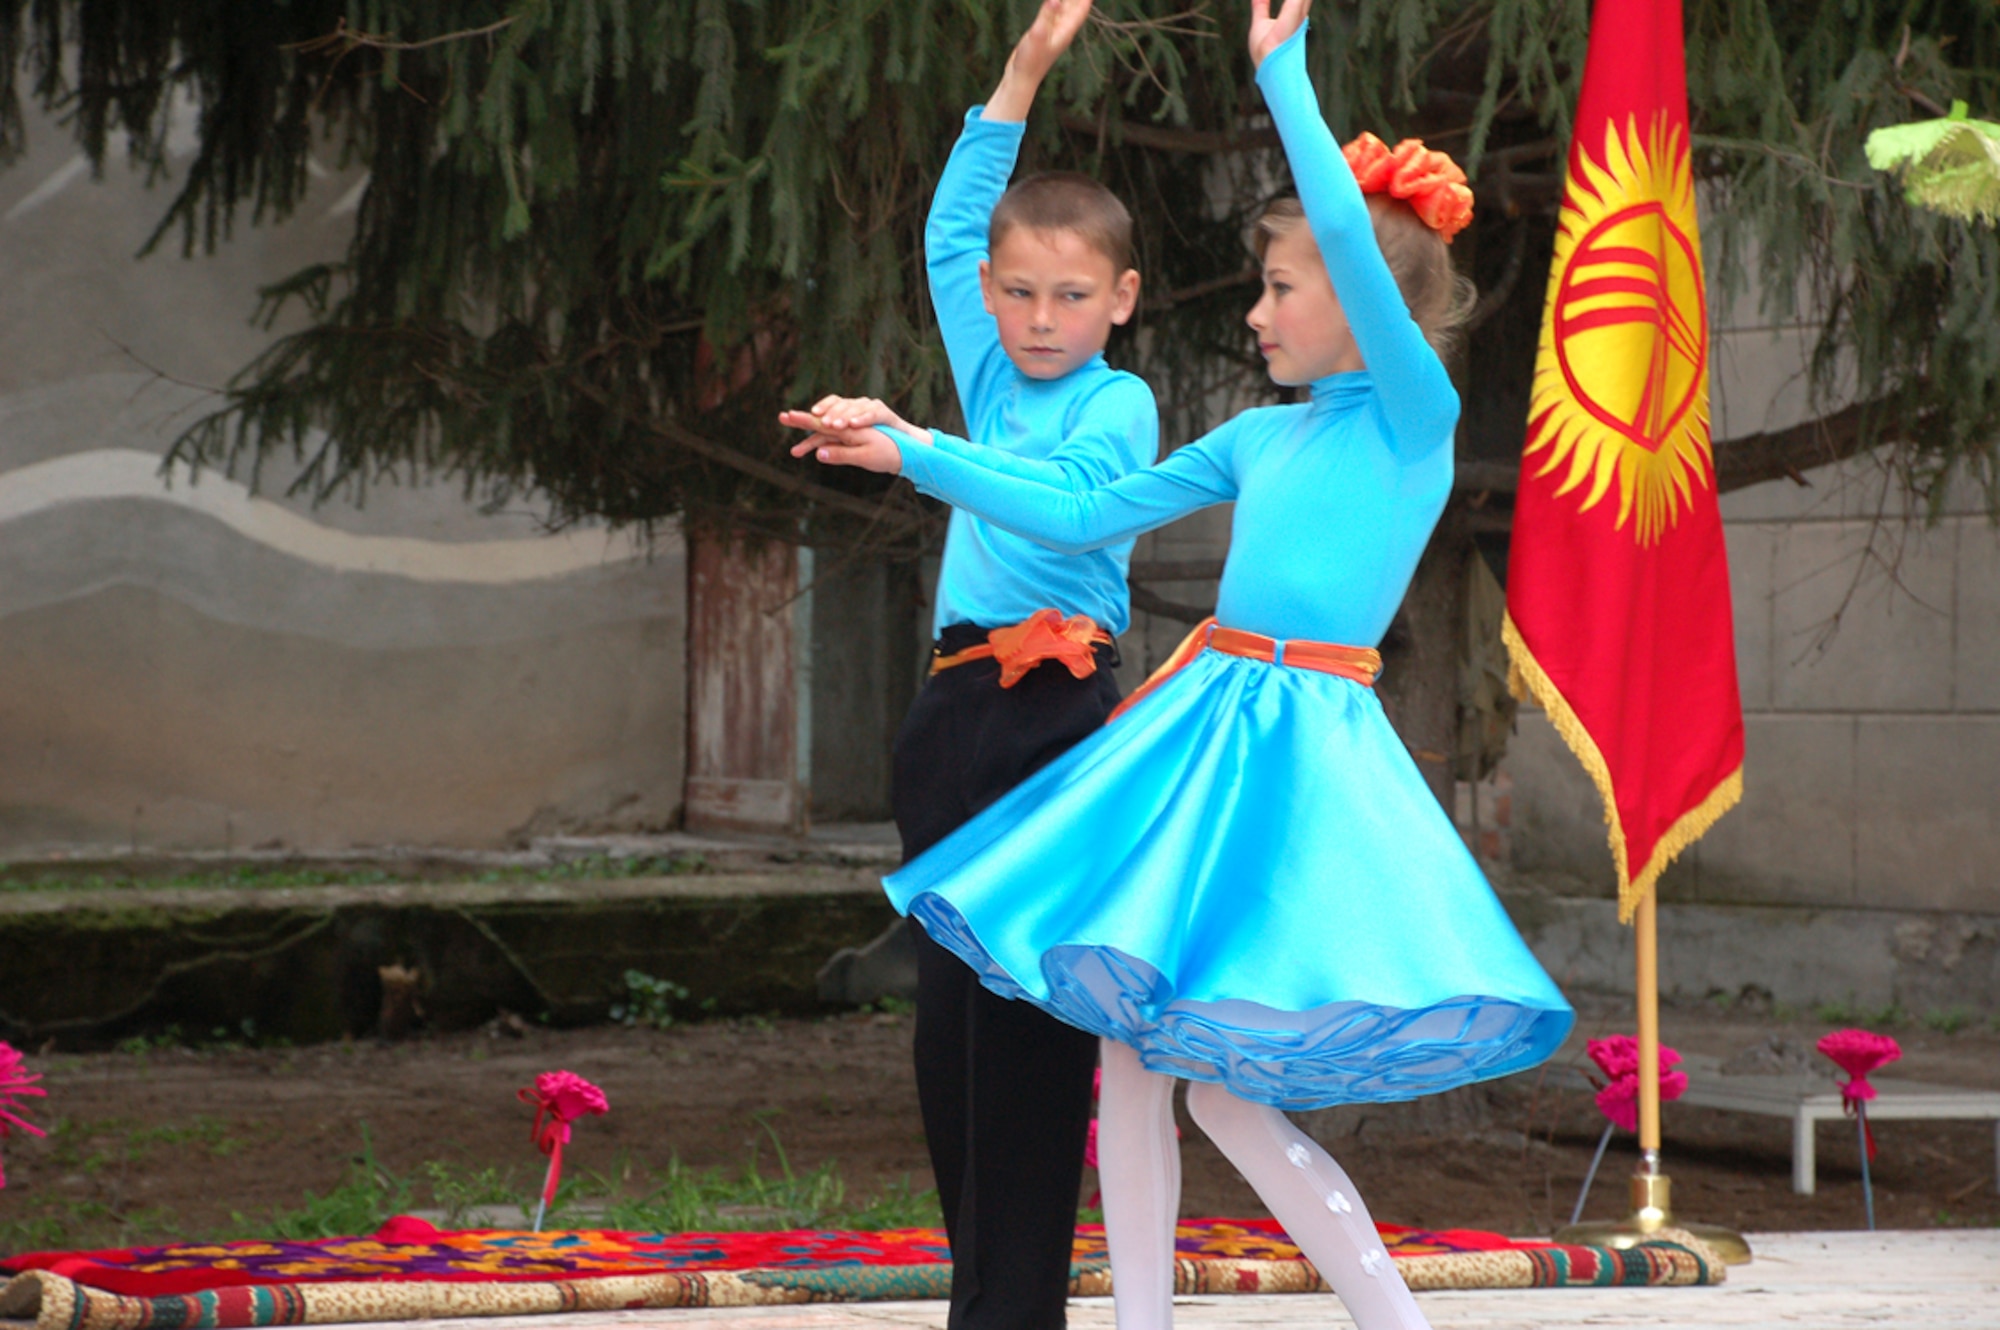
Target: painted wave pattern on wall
[193, 664]
[102, 474]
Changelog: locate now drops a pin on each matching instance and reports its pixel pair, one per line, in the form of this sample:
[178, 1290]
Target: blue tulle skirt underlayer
[1246, 879]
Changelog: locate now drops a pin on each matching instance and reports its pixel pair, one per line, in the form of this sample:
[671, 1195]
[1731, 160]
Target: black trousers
[1005, 1088]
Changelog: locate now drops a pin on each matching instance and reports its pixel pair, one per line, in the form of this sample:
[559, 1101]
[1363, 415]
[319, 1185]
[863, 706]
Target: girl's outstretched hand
[845, 433]
[869, 449]
[834, 412]
[1267, 34]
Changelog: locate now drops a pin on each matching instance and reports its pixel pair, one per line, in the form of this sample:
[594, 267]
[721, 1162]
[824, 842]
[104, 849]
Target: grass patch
[463, 1198]
[760, 1194]
[1855, 1013]
[684, 1200]
[91, 1148]
[368, 1197]
[1950, 1020]
[650, 1002]
[47, 1224]
[764, 1192]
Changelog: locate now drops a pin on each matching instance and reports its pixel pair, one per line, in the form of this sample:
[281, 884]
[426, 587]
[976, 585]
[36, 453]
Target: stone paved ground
[1938, 1280]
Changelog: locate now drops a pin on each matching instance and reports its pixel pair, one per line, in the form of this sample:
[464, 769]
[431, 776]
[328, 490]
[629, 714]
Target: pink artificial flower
[1618, 1058]
[569, 1096]
[16, 1083]
[561, 1097]
[1090, 1146]
[1858, 1052]
[1619, 1099]
[1615, 1056]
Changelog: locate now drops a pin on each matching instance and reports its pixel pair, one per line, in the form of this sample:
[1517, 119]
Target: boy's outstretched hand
[1055, 27]
[1267, 34]
[845, 433]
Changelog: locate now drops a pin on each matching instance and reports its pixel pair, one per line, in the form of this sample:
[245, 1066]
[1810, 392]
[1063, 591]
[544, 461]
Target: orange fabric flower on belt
[1046, 635]
[1430, 182]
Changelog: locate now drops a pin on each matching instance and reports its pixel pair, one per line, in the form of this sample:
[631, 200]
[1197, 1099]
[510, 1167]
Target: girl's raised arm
[1416, 393]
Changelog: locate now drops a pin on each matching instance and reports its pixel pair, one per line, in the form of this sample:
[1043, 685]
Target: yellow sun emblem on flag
[1621, 376]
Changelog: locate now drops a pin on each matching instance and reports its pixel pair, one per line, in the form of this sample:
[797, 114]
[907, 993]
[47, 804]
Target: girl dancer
[1245, 881]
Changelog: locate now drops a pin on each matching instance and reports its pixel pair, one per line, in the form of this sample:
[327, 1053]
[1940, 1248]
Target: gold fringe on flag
[1529, 682]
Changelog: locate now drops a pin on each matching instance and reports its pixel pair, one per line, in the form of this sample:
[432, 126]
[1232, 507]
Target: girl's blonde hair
[1439, 296]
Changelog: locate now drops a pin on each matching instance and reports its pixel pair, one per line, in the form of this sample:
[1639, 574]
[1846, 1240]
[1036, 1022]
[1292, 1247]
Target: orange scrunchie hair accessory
[1430, 182]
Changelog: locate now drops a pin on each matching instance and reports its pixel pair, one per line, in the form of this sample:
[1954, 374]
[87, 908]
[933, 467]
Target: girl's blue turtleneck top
[1335, 497]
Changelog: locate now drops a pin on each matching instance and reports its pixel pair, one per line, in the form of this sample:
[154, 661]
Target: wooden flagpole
[1652, 1207]
[1646, 943]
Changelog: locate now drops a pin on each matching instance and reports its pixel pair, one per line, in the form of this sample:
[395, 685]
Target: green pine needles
[604, 240]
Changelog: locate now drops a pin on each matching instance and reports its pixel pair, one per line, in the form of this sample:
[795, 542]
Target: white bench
[1809, 1100]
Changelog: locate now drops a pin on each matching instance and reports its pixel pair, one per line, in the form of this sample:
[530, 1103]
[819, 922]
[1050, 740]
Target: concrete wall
[1869, 658]
[191, 665]
[1864, 862]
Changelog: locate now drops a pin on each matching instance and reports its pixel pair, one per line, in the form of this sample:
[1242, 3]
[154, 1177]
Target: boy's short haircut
[1066, 201]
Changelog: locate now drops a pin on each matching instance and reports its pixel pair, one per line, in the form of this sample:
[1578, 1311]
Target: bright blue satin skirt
[1245, 878]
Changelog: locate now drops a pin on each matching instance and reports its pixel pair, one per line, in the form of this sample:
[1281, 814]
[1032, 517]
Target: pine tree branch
[1521, 152]
[1172, 139]
[1494, 298]
[591, 111]
[1517, 192]
[344, 39]
[882, 513]
[1739, 463]
[1789, 453]
[1192, 22]
[1196, 290]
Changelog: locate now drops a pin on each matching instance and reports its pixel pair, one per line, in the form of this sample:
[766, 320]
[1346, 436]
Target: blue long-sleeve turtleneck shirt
[1335, 497]
[1095, 422]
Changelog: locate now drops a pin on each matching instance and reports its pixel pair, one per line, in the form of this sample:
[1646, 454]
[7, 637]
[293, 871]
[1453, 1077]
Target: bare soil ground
[172, 1143]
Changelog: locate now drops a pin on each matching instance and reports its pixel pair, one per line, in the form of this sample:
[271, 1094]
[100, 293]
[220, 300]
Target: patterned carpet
[410, 1270]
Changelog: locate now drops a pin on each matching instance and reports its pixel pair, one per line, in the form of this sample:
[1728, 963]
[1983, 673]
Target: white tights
[1139, 1166]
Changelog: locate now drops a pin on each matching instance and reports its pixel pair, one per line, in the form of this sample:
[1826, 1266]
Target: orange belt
[1043, 635]
[1361, 664]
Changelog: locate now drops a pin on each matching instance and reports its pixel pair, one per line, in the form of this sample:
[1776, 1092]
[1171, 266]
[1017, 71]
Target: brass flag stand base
[1651, 1212]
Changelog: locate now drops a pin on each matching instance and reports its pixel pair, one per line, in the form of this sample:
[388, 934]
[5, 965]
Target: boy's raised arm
[1055, 27]
[972, 183]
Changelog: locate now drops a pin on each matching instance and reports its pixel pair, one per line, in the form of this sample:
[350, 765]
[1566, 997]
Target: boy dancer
[1005, 1088]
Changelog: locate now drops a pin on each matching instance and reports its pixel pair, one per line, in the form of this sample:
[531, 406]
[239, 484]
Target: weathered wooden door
[746, 766]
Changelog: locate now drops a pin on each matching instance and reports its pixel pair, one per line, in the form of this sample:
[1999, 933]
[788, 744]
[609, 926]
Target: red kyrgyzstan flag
[1618, 619]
